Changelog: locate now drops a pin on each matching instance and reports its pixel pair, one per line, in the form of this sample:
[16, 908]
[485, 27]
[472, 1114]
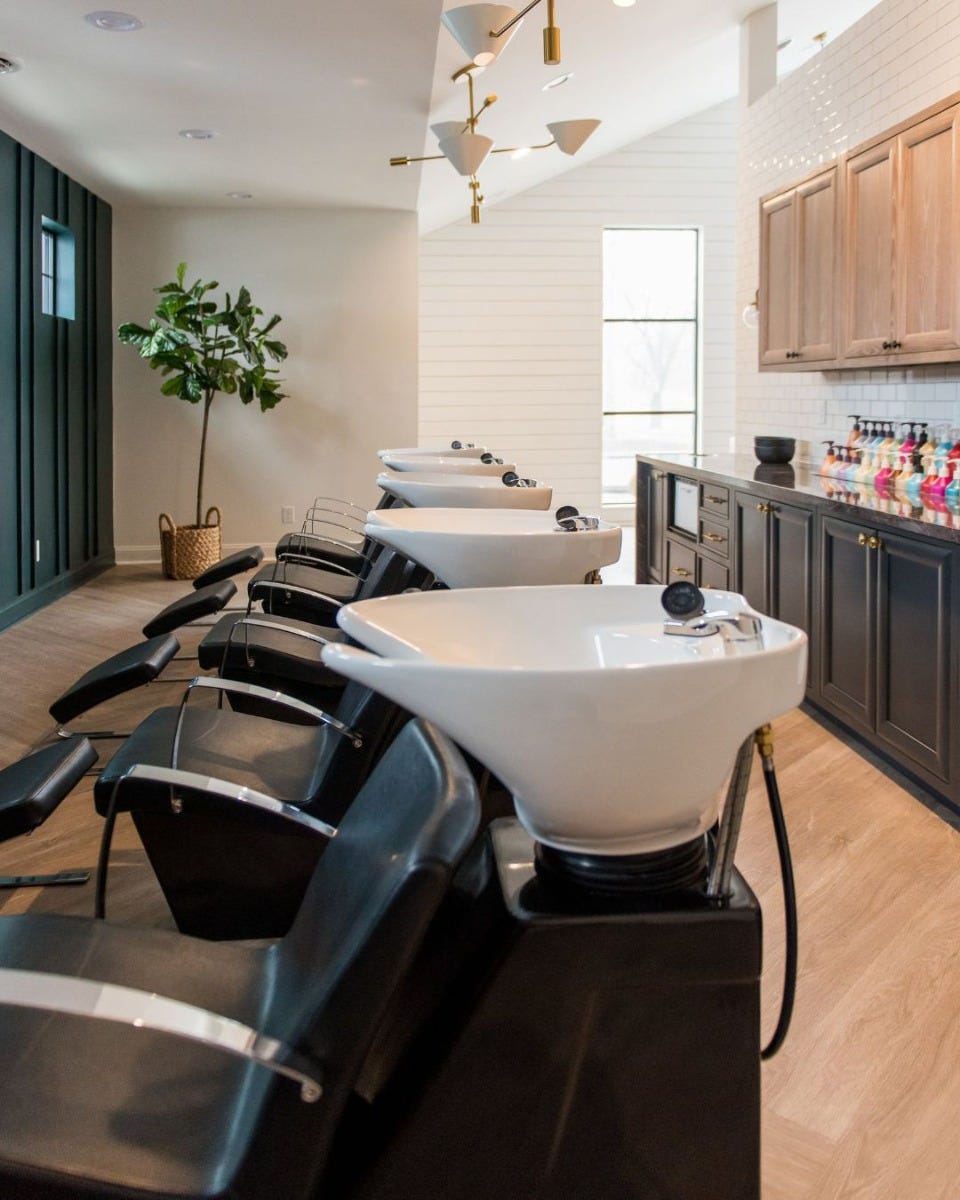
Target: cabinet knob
[874, 542]
[863, 539]
[887, 346]
[682, 572]
[658, 475]
[895, 345]
[763, 508]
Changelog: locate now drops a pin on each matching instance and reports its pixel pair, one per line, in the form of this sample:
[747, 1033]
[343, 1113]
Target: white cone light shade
[466, 151]
[570, 135]
[471, 26]
[446, 129]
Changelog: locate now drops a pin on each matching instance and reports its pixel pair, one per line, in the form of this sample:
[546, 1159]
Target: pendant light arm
[519, 17]
[514, 149]
[402, 160]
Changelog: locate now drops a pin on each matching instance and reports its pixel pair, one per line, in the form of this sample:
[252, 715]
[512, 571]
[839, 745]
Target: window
[650, 347]
[57, 270]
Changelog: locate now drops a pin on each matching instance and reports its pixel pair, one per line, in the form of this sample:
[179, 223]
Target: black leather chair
[109, 1090]
[31, 790]
[230, 868]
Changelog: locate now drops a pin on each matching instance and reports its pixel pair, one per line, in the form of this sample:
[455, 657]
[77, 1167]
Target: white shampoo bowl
[494, 547]
[426, 490]
[444, 464]
[613, 737]
[433, 452]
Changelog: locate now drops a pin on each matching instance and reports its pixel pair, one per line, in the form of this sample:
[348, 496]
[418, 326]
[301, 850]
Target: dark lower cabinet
[750, 556]
[774, 560]
[651, 523]
[886, 640]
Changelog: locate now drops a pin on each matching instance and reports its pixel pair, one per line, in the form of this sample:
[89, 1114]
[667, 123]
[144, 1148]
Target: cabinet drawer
[715, 538]
[713, 574]
[715, 501]
[681, 562]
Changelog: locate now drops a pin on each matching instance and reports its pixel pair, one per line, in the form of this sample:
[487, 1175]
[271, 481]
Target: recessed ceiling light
[8, 66]
[552, 83]
[197, 135]
[114, 22]
[624, 3]
[239, 195]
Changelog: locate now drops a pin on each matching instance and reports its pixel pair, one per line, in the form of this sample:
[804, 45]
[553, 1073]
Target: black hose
[789, 911]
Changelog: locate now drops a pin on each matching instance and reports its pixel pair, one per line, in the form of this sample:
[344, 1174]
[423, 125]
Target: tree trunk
[208, 400]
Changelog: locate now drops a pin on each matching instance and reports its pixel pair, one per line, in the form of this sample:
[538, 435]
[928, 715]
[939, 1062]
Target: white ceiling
[310, 98]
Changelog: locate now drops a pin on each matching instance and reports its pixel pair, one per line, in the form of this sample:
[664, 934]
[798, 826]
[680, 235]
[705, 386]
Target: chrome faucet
[732, 627]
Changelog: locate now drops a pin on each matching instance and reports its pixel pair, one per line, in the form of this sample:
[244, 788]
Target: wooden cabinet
[861, 261]
[799, 243]
[651, 523]
[885, 640]
[774, 558]
[903, 242]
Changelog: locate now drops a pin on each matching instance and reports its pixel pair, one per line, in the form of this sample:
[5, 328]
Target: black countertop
[800, 481]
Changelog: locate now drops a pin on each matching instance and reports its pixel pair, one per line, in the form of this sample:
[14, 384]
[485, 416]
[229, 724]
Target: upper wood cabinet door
[818, 242]
[927, 284]
[868, 260]
[777, 278]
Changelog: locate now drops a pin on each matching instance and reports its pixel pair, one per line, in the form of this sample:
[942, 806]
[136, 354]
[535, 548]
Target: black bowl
[774, 449]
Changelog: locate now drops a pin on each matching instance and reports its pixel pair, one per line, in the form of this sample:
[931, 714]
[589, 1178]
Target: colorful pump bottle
[854, 437]
[829, 459]
[952, 494]
[905, 474]
[915, 481]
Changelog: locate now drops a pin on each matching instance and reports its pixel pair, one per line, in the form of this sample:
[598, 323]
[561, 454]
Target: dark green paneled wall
[55, 390]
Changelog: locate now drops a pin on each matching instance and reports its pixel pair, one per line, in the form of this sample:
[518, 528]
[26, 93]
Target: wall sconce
[479, 29]
[751, 314]
[466, 150]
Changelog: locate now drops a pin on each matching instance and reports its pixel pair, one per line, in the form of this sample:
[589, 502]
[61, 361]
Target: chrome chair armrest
[223, 789]
[270, 696]
[275, 585]
[310, 560]
[345, 503]
[278, 628]
[99, 1001]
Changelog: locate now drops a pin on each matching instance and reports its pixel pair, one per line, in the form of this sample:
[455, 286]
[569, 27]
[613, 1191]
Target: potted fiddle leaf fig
[204, 348]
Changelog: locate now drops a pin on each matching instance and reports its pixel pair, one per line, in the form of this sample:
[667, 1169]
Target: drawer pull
[714, 499]
[714, 537]
[682, 572]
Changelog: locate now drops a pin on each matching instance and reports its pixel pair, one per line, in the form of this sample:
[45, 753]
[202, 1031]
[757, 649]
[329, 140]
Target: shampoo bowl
[613, 737]
[478, 547]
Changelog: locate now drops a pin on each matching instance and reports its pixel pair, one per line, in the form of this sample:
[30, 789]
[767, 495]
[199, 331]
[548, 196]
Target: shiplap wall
[901, 57]
[510, 310]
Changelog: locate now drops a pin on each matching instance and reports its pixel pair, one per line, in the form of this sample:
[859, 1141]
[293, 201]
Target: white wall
[510, 311]
[901, 57]
[345, 283]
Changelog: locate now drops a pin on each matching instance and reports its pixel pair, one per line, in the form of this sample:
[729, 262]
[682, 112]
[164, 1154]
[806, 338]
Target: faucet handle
[577, 523]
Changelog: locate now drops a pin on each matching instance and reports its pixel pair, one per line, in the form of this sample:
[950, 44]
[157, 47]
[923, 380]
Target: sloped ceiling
[309, 99]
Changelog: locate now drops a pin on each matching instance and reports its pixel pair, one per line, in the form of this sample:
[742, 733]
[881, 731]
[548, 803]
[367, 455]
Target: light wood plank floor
[863, 1101]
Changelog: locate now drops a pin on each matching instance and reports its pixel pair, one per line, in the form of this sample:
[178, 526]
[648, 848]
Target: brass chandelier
[466, 150]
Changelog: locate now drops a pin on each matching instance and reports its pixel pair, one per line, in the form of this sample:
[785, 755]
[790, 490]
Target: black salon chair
[230, 868]
[31, 790]
[118, 1082]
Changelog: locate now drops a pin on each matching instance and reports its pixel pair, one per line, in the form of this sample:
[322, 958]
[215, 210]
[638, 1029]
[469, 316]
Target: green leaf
[181, 273]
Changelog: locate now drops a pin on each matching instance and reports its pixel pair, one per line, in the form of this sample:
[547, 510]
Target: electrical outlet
[287, 514]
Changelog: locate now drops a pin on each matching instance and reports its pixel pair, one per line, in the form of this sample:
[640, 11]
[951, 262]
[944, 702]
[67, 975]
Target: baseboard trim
[129, 556]
[33, 601]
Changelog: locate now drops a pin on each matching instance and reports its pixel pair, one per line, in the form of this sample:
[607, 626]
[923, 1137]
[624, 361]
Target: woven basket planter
[187, 550]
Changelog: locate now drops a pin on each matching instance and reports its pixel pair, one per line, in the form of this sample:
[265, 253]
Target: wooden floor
[863, 1101]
